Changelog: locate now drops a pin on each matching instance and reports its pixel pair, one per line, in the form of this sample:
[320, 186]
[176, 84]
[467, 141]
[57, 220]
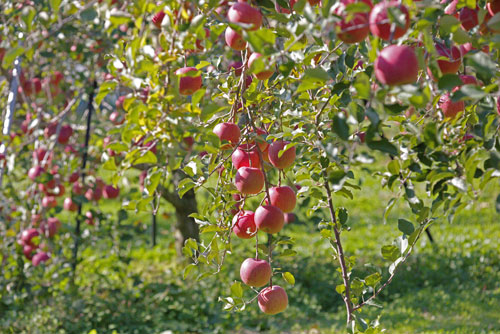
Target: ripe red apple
[74, 177]
[237, 67]
[450, 109]
[93, 194]
[89, 218]
[242, 12]
[116, 118]
[69, 204]
[244, 224]
[158, 19]
[39, 257]
[269, 219]
[249, 180]
[234, 40]
[50, 226]
[280, 9]
[453, 54]
[49, 202]
[283, 197]
[228, 132]
[263, 145]
[493, 7]
[287, 158]
[262, 75]
[380, 24]
[64, 134]
[188, 84]
[78, 188]
[451, 8]
[396, 65]
[28, 235]
[468, 18]
[357, 28]
[256, 273]
[28, 251]
[290, 217]
[273, 300]
[469, 79]
[245, 156]
[35, 172]
[110, 192]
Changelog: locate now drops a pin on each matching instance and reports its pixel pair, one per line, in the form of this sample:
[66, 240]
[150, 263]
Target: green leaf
[390, 252]
[147, 158]
[288, 277]
[184, 186]
[484, 66]
[261, 40]
[340, 289]
[110, 164]
[11, 55]
[316, 74]
[88, 14]
[394, 167]
[449, 81]
[373, 279]
[340, 126]
[237, 290]
[383, 145]
[362, 85]
[343, 215]
[188, 269]
[405, 226]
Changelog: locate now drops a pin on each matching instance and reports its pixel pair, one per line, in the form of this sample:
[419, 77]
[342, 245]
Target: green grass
[450, 287]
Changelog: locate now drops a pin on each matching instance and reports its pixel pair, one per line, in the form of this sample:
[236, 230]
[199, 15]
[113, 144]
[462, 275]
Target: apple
[262, 75]
[357, 28]
[39, 257]
[50, 226]
[451, 8]
[283, 197]
[35, 172]
[64, 134]
[453, 54]
[273, 300]
[234, 40]
[396, 65]
[28, 251]
[280, 9]
[242, 12]
[449, 108]
[69, 205]
[188, 84]
[199, 45]
[228, 132]
[269, 219]
[287, 158]
[116, 118]
[469, 79]
[380, 24]
[40, 153]
[256, 273]
[158, 19]
[78, 188]
[89, 218]
[28, 235]
[263, 145]
[49, 202]
[244, 224]
[493, 7]
[468, 18]
[290, 217]
[237, 67]
[93, 194]
[110, 192]
[245, 156]
[249, 180]
[119, 101]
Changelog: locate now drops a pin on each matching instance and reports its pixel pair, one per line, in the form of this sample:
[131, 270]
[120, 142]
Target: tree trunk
[186, 227]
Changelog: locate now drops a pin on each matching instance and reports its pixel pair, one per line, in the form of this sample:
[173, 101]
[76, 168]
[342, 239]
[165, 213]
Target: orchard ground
[449, 287]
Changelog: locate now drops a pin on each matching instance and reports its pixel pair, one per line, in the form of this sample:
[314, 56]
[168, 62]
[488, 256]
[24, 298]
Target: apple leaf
[449, 81]
[405, 226]
[288, 277]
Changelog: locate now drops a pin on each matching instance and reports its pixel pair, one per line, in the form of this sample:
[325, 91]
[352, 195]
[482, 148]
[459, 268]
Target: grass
[449, 287]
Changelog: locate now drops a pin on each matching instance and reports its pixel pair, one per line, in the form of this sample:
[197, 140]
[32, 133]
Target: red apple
[396, 65]
[242, 12]
[287, 158]
[269, 219]
[70, 205]
[64, 134]
[228, 132]
[469, 79]
[249, 180]
[283, 197]
[93, 194]
[78, 188]
[256, 273]
[290, 217]
[380, 24]
[158, 19]
[262, 75]
[244, 224]
[116, 118]
[28, 251]
[357, 28]
[35, 172]
[234, 40]
[450, 109]
[188, 84]
[39, 257]
[28, 235]
[110, 192]
[468, 18]
[89, 218]
[49, 202]
[237, 67]
[493, 7]
[273, 300]
[280, 9]
[245, 156]
[50, 226]
[453, 54]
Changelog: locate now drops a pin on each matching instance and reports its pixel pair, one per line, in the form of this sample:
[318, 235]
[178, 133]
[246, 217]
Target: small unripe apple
[188, 84]
[244, 224]
[249, 180]
[396, 65]
[255, 272]
[39, 257]
[380, 24]
[234, 40]
[69, 205]
[110, 192]
[287, 158]
[468, 18]
[228, 132]
[273, 300]
[262, 75]
[158, 19]
[269, 219]
[357, 28]
[35, 172]
[242, 12]
[283, 197]
[245, 156]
